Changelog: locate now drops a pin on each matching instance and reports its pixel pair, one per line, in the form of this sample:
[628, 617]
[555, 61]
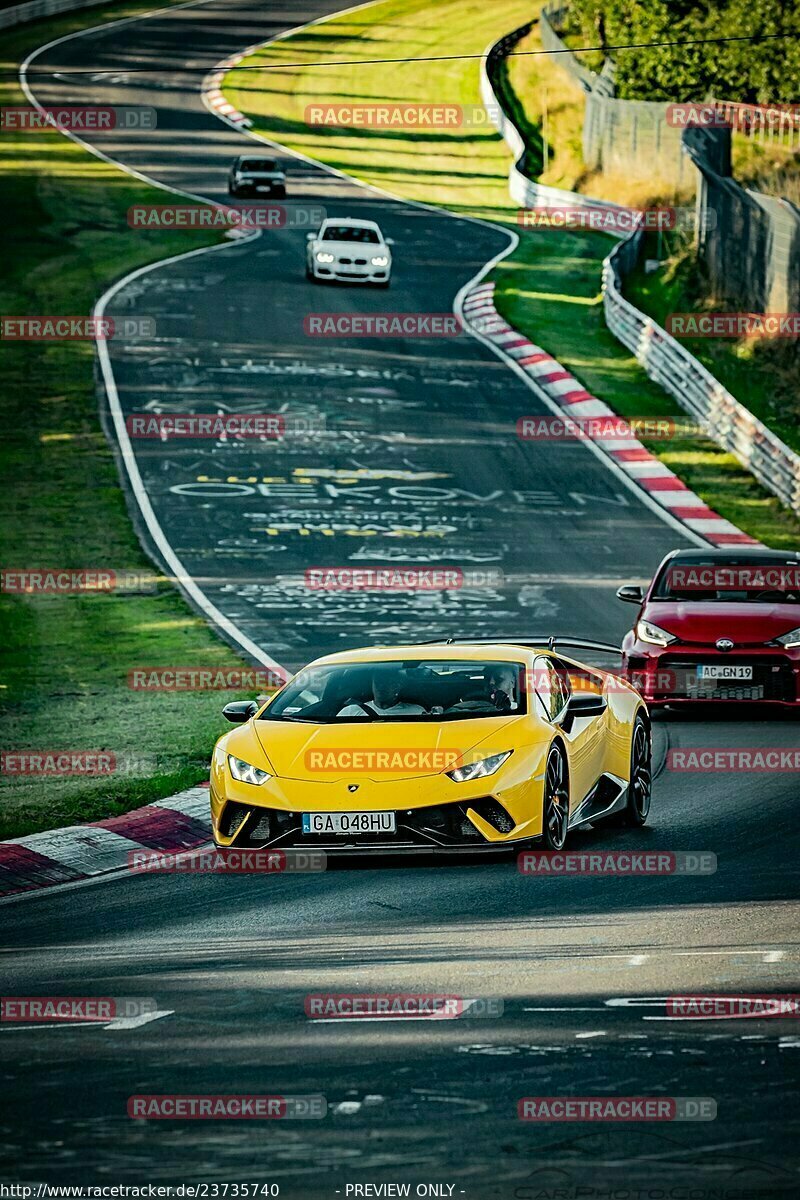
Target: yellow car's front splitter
[429, 813]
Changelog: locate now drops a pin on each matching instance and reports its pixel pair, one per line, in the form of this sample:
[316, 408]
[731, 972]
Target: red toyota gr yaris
[717, 625]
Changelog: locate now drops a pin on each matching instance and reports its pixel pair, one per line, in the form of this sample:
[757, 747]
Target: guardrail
[35, 9]
[666, 361]
[669, 363]
[522, 188]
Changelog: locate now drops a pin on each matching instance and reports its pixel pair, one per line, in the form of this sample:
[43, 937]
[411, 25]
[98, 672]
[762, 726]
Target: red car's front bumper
[670, 675]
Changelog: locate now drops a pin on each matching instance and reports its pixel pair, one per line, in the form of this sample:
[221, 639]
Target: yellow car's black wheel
[555, 804]
[639, 789]
[641, 785]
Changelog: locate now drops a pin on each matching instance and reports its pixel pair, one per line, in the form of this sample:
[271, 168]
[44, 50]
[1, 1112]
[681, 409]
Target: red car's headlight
[646, 631]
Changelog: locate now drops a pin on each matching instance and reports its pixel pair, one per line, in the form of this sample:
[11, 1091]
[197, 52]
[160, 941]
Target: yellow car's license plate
[342, 824]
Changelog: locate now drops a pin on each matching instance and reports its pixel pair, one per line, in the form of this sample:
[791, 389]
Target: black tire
[309, 272]
[280, 193]
[640, 789]
[555, 802]
[232, 190]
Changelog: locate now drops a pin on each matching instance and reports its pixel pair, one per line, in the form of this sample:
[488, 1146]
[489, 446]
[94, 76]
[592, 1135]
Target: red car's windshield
[752, 580]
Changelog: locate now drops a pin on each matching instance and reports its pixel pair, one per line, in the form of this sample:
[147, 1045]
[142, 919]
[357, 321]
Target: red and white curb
[627, 452]
[212, 92]
[181, 822]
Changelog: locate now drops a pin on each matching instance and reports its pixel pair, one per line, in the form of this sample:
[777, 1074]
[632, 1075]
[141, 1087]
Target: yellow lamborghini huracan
[439, 746]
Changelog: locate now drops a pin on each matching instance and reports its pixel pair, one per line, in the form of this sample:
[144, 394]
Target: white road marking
[596, 1008]
[50, 1025]
[142, 1019]
[593, 1034]
[636, 960]
[117, 1023]
[774, 956]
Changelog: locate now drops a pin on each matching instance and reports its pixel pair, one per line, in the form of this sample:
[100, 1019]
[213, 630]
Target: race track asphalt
[414, 437]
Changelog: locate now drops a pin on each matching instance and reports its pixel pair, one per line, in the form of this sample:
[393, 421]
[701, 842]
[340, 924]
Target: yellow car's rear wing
[546, 641]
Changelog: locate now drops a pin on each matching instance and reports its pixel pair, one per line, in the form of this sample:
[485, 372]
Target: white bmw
[347, 248]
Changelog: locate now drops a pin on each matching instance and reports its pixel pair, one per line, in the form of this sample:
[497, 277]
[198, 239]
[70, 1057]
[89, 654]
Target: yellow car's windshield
[406, 690]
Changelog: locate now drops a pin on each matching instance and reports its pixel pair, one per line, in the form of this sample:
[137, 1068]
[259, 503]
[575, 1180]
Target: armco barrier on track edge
[527, 192]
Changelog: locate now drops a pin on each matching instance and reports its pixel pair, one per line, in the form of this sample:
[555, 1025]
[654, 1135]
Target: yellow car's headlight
[323, 256]
[479, 769]
[245, 772]
[380, 260]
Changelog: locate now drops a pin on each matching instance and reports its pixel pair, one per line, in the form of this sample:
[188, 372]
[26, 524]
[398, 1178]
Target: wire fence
[666, 361]
[748, 242]
[630, 136]
[670, 364]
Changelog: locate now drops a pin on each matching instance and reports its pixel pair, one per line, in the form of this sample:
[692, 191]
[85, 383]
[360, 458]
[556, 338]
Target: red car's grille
[773, 679]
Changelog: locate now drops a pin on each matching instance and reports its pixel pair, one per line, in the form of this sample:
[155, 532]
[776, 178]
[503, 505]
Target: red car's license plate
[724, 671]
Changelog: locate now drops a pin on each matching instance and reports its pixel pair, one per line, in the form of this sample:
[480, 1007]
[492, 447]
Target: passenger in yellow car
[385, 702]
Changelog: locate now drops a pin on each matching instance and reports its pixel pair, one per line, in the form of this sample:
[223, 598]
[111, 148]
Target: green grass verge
[462, 168]
[550, 288]
[66, 658]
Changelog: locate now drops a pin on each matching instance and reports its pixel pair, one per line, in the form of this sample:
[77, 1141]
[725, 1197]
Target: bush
[750, 72]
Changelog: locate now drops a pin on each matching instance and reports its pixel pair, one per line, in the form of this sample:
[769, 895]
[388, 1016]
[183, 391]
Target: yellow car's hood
[381, 750]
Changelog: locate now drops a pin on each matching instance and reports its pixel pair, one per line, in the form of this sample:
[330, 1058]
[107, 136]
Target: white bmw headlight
[380, 261]
[245, 772]
[789, 639]
[323, 256]
[479, 769]
[654, 634]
